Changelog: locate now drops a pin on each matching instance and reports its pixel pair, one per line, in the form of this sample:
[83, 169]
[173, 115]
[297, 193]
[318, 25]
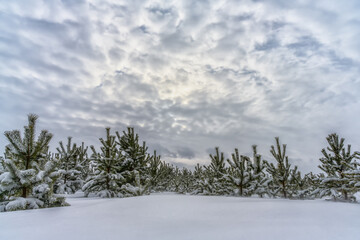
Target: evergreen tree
[301, 187]
[107, 179]
[166, 181]
[336, 162]
[154, 171]
[281, 172]
[215, 182]
[315, 184]
[199, 179]
[29, 174]
[135, 157]
[240, 174]
[260, 179]
[160, 174]
[354, 177]
[83, 161]
[186, 181]
[70, 168]
[135, 189]
[176, 180]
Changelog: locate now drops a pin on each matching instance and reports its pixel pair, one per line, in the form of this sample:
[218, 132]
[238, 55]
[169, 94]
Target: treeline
[32, 177]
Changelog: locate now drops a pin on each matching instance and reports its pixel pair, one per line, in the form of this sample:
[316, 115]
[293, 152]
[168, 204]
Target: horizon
[76, 140]
[188, 76]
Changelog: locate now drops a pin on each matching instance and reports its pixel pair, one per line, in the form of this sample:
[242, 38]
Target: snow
[174, 216]
[20, 203]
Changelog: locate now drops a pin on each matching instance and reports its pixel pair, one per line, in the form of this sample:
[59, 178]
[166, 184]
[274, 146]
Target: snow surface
[174, 216]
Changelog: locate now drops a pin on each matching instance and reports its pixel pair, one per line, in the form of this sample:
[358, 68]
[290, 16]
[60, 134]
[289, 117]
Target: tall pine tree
[136, 160]
[215, 176]
[240, 174]
[107, 178]
[70, 168]
[29, 171]
[260, 179]
[336, 162]
[281, 171]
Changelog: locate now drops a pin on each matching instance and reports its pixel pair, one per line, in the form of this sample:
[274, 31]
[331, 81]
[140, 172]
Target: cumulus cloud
[188, 75]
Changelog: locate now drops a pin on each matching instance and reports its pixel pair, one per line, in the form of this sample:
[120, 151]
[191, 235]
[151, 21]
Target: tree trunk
[24, 189]
[107, 178]
[283, 189]
[345, 195]
[24, 192]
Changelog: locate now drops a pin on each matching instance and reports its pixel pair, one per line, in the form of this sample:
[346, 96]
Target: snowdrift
[174, 216]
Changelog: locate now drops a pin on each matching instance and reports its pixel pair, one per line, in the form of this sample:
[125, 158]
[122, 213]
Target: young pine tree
[159, 173]
[299, 187]
[83, 161]
[260, 179]
[107, 179]
[186, 181]
[198, 179]
[154, 171]
[240, 175]
[166, 181]
[336, 163]
[136, 159]
[29, 172]
[70, 168]
[215, 182]
[281, 172]
[136, 188]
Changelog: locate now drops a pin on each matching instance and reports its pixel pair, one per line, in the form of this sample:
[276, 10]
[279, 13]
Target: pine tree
[70, 168]
[281, 173]
[167, 173]
[199, 179]
[186, 181]
[136, 158]
[154, 171]
[159, 172]
[107, 179]
[83, 161]
[29, 171]
[215, 174]
[354, 177]
[135, 189]
[240, 175]
[301, 187]
[176, 180]
[337, 161]
[260, 179]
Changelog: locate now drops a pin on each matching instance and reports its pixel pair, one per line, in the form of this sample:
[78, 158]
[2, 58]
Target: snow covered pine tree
[240, 174]
[337, 164]
[107, 178]
[135, 165]
[70, 168]
[260, 178]
[214, 180]
[281, 173]
[29, 172]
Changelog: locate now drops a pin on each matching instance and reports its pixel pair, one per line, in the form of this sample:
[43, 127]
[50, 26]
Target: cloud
[187, 75]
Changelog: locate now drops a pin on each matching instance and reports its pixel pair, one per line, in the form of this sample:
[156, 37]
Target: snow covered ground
[173, 216]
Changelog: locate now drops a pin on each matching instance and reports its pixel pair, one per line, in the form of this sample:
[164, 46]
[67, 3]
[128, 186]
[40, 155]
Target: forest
[31, 177]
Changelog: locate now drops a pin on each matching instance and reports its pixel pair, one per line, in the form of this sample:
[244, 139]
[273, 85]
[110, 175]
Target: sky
[187, 75]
